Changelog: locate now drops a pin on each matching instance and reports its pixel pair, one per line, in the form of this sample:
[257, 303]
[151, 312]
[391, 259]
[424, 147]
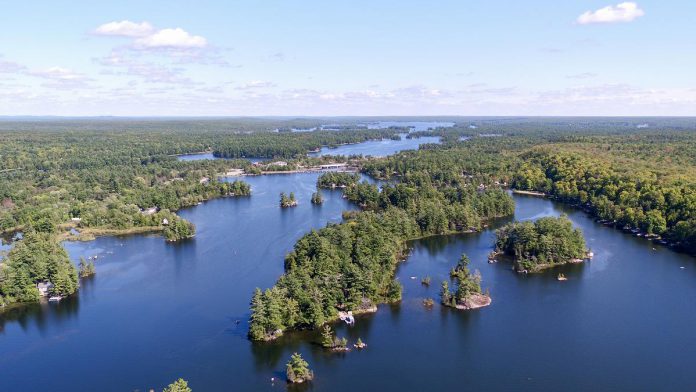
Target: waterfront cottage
[44, 288]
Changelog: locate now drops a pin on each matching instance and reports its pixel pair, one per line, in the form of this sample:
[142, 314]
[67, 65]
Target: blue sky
[268, 57]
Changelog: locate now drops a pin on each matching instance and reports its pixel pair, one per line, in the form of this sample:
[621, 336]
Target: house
[149, 211]
[165, 222]
[76, 220]
[204, 180]
[44, 288]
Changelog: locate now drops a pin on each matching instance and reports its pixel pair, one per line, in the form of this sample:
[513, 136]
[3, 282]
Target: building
[44, 288]
[149, 211]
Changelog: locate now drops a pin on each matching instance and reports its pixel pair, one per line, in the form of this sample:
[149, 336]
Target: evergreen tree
[179, 385]
[297, 369]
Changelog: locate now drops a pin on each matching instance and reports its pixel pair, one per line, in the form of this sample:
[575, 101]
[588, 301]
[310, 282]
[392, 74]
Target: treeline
[292, 145]
[635, 199]
[543, 243]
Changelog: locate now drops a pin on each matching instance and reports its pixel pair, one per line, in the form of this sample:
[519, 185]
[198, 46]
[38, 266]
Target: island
[297, 370]
[317, 198]
[544, 243]
[337, 180]
[467, 294]
[287, 201]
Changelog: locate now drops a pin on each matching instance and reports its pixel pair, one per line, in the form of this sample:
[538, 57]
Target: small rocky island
[467, 293]
[287, 200]
[544, 243]
[297, 370]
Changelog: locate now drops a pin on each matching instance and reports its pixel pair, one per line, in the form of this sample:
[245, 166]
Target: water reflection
[43, 315]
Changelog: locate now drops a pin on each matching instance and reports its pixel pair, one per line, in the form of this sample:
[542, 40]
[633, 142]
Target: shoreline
[529, 193]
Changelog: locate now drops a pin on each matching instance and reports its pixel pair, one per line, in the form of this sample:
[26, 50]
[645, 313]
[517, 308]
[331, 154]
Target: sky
[311, 58]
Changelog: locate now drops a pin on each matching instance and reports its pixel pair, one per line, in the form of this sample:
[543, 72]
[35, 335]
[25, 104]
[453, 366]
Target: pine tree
[445, 293]
[297, 369]
[179, 385]
[258, 323]
[327, 338]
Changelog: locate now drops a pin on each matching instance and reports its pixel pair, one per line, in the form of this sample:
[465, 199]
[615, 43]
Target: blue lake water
[208, 155]
[377, 148]
[414, 125]
[156, 311]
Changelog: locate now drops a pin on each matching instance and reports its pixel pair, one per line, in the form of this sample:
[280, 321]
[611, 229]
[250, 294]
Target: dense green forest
[37, 258]
[544, 243]
[337, 179]
[654, 204]
[350, 266]
[108, 176]
[292, 145]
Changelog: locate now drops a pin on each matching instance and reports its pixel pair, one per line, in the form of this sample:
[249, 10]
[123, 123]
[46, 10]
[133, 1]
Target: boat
[561, 277]
[55, 298]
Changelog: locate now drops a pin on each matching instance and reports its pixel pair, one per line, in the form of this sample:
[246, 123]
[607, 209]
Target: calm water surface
[208, 155]
[377, 148]
[155, 312]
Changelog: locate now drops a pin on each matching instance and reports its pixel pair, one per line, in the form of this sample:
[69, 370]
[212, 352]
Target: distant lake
[415, 125]
[377, 148]
[208, 155]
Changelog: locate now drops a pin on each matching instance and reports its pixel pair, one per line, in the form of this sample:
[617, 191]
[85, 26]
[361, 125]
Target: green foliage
[642, 199]
[317, 198]
[36, 258]
[327, 336]
[179, 385]
[297, 369]
[337, 179]
[466, 283]
[179, 229]
[86, 269]
[287, 200]
[546, 242]
[291, 145]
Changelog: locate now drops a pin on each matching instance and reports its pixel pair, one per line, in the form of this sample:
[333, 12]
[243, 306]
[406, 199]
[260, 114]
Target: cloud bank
[620, 13]
[146, 37]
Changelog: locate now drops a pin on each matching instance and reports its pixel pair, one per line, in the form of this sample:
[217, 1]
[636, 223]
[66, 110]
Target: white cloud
[10, 66]
[125, 28]
[57, 73]
[171, 38]
[623, 12]
[59, 77]
[254, 84]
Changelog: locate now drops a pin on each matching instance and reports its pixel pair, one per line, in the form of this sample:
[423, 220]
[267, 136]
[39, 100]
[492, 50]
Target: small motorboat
[55, 298]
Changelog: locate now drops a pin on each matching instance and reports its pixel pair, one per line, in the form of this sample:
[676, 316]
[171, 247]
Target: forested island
[467, 293]
[350, 266]
[544, 243]
[337, 179]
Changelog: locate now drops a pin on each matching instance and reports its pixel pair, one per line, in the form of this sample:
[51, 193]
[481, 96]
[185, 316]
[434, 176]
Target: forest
[544, 243]
[120, 176]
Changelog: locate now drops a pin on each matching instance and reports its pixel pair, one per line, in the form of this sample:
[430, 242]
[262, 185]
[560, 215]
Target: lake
[156, 311]
[377, 148]
[208, 155]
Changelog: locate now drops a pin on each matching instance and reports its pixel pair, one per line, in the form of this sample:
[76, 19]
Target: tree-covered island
[467, 292]
[544, 243]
